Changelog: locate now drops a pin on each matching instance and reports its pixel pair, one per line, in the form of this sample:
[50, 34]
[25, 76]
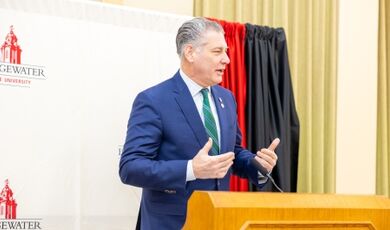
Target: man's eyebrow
[220, 48]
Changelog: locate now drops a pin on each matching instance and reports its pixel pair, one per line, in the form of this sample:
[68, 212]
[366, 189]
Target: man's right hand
[208, 167]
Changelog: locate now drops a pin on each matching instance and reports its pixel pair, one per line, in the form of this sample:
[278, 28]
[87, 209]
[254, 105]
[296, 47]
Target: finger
[222, 172]
[224, 157]
[270, 153]
[267, 158]
[263, 155]
[227, 167]
[274, 144]
[224, 164]
[265, 164]
[206, 148]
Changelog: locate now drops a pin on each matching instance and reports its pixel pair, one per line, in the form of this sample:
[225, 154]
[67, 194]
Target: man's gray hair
[191, 32]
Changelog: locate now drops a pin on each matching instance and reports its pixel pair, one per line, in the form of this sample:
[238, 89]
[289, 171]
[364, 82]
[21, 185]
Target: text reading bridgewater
[20, 224]
[23, 70]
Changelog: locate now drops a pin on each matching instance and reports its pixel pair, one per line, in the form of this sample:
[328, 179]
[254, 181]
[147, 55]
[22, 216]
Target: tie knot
[205, 92]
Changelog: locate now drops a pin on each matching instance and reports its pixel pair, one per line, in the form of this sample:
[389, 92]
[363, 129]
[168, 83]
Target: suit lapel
[187, 105]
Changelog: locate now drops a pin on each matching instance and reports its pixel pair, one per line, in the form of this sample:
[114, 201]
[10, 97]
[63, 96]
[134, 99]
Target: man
[183, 133]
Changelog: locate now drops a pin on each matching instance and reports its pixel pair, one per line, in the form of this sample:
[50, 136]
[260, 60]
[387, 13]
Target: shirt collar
[192, 86]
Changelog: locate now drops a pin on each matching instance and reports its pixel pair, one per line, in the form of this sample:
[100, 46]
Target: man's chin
[218, 79]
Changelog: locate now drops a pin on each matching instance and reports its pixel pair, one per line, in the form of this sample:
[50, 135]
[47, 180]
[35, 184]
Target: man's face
[210, 59]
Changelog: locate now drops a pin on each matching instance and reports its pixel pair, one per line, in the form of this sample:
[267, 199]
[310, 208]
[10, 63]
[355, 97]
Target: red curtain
[234, 79]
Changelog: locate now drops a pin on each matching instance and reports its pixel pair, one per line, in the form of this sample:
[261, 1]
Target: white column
[357, 96]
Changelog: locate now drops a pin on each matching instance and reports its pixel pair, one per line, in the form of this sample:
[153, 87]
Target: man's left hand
[267, 156]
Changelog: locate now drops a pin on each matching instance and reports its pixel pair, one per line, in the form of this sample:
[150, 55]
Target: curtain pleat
[270, 107]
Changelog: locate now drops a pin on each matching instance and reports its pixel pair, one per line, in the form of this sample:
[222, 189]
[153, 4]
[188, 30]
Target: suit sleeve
[139, 164]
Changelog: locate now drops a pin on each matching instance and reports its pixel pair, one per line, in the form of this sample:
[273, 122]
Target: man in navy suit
[170, 150]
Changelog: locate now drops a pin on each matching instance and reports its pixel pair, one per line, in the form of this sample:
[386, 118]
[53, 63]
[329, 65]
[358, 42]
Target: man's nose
[225, 59]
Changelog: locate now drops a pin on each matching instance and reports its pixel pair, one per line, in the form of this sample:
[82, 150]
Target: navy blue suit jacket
[164, 132]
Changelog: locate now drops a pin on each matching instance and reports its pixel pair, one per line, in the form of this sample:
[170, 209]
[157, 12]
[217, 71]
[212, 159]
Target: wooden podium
[257, 210]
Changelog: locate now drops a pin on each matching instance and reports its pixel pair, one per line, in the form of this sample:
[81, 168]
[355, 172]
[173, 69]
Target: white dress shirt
[195, 89]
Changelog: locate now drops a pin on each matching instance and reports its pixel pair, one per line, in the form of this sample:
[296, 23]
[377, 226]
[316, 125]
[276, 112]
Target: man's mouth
[220, 71]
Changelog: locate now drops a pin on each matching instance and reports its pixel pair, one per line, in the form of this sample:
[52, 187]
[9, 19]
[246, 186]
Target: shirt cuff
[190, 172]
[261, 179]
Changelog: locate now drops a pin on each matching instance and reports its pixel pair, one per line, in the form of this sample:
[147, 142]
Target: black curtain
[270, 108]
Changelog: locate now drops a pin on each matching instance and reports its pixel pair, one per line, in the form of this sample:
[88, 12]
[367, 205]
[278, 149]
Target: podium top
[291, 200]
[258, 210]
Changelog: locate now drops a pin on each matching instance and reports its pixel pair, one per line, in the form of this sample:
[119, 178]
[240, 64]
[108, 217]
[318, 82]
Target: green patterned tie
[209, 122]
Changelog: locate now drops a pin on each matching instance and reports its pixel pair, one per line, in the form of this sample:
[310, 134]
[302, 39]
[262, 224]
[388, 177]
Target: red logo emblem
[12, 73]
[10, 50]
[7, 203]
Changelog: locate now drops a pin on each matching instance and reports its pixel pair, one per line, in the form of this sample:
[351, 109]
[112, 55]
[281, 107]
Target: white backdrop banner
[69, 71]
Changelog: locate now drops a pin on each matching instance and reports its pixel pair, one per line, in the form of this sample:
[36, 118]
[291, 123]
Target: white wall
[357, 96]
[183, 7]
[60, 136]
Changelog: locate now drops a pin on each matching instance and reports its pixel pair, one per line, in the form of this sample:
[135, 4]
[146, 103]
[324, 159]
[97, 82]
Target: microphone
[264, 172]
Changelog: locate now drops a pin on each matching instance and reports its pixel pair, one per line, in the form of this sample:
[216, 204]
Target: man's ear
[189, 52]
